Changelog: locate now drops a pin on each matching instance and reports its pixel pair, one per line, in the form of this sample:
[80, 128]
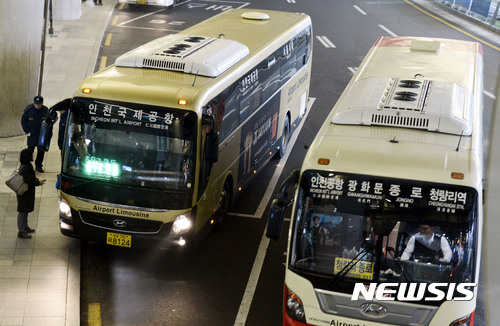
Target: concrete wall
[21, 26]
[66, 9]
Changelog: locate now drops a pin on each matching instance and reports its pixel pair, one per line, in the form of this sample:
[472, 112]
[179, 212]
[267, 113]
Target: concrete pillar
[21, 27]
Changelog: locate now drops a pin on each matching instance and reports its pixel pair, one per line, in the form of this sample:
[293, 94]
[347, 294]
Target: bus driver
[429, 245]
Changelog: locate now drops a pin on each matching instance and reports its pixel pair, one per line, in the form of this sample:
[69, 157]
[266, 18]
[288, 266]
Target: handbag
[16, 183]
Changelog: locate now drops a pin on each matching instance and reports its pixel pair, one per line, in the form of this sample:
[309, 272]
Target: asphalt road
[219, 282]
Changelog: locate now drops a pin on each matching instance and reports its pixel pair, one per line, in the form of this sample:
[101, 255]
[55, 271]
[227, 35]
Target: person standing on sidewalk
[31, 120]
[26, 201]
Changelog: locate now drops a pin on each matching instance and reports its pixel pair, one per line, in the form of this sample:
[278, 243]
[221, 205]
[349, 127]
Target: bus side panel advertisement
[257, 136]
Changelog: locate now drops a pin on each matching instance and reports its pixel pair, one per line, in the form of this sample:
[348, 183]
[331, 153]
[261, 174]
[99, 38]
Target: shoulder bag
[16, 183]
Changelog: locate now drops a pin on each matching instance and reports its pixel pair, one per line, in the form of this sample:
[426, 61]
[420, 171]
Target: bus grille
[340, 304]
[132, 225]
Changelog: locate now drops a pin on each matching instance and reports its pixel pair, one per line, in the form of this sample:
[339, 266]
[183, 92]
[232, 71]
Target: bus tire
[285, 137]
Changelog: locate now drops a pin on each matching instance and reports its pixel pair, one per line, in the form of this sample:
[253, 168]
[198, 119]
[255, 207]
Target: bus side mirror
[212, 147]
[212, 139]
[279, 205]
[45, 137]
[276, 217]
[46, 131]
[48, 124]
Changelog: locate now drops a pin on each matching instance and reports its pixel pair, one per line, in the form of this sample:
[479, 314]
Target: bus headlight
[294, 307]
[182, 224]
[464, 321]
[64, 209]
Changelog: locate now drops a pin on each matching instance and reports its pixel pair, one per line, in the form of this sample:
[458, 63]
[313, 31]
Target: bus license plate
[118, 239]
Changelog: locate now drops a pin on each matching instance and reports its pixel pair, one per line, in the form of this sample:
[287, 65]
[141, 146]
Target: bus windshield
[131, 144]
[356, 228]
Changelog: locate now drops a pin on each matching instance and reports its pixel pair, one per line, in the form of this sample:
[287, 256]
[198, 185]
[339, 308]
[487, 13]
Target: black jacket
[26, 201]
[32, 122]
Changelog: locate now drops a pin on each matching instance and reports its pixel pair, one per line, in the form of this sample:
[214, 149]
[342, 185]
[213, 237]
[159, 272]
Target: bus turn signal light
[87, 90]
[182, 102]
[457, 175]
[324, 161]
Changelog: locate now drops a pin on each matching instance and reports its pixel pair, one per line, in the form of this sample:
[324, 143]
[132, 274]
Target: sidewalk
[40, 277]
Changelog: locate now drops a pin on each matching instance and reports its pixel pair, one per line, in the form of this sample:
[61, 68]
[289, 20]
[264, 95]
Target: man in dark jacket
[32, 119]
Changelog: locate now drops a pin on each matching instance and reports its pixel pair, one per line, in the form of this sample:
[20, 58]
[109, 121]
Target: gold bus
[388, 214]
[159, 144]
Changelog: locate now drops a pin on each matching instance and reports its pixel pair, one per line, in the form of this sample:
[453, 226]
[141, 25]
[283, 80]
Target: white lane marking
[359, 9]
[243, 4]
[352, 69]
[325, 41]
[241, 317]
[387, 30]
[490, 95]
[152, 28]
[140, 17]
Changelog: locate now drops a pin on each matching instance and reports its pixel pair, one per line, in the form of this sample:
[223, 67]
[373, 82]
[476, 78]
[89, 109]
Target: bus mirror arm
[293, 179]
[209, 120]
[279, 205]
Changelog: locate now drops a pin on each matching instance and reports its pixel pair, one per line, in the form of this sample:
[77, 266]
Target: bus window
[303, 49]
[232, 117]
[270, 75]
[250, 94]
[104, 148]
[288, 61]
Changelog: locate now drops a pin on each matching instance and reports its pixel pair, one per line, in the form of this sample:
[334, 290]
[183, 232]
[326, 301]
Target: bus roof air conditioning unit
[201, 55]
[408, 103]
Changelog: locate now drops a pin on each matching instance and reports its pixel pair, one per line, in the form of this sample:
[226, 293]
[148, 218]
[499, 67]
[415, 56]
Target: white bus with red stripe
[387, 217]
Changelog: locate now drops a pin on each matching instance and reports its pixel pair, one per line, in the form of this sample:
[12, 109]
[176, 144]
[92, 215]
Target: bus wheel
[285, 137]
[224, 203]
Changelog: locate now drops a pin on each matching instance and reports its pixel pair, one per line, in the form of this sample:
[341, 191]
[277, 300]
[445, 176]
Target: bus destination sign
[98, 112]
[404, 193]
